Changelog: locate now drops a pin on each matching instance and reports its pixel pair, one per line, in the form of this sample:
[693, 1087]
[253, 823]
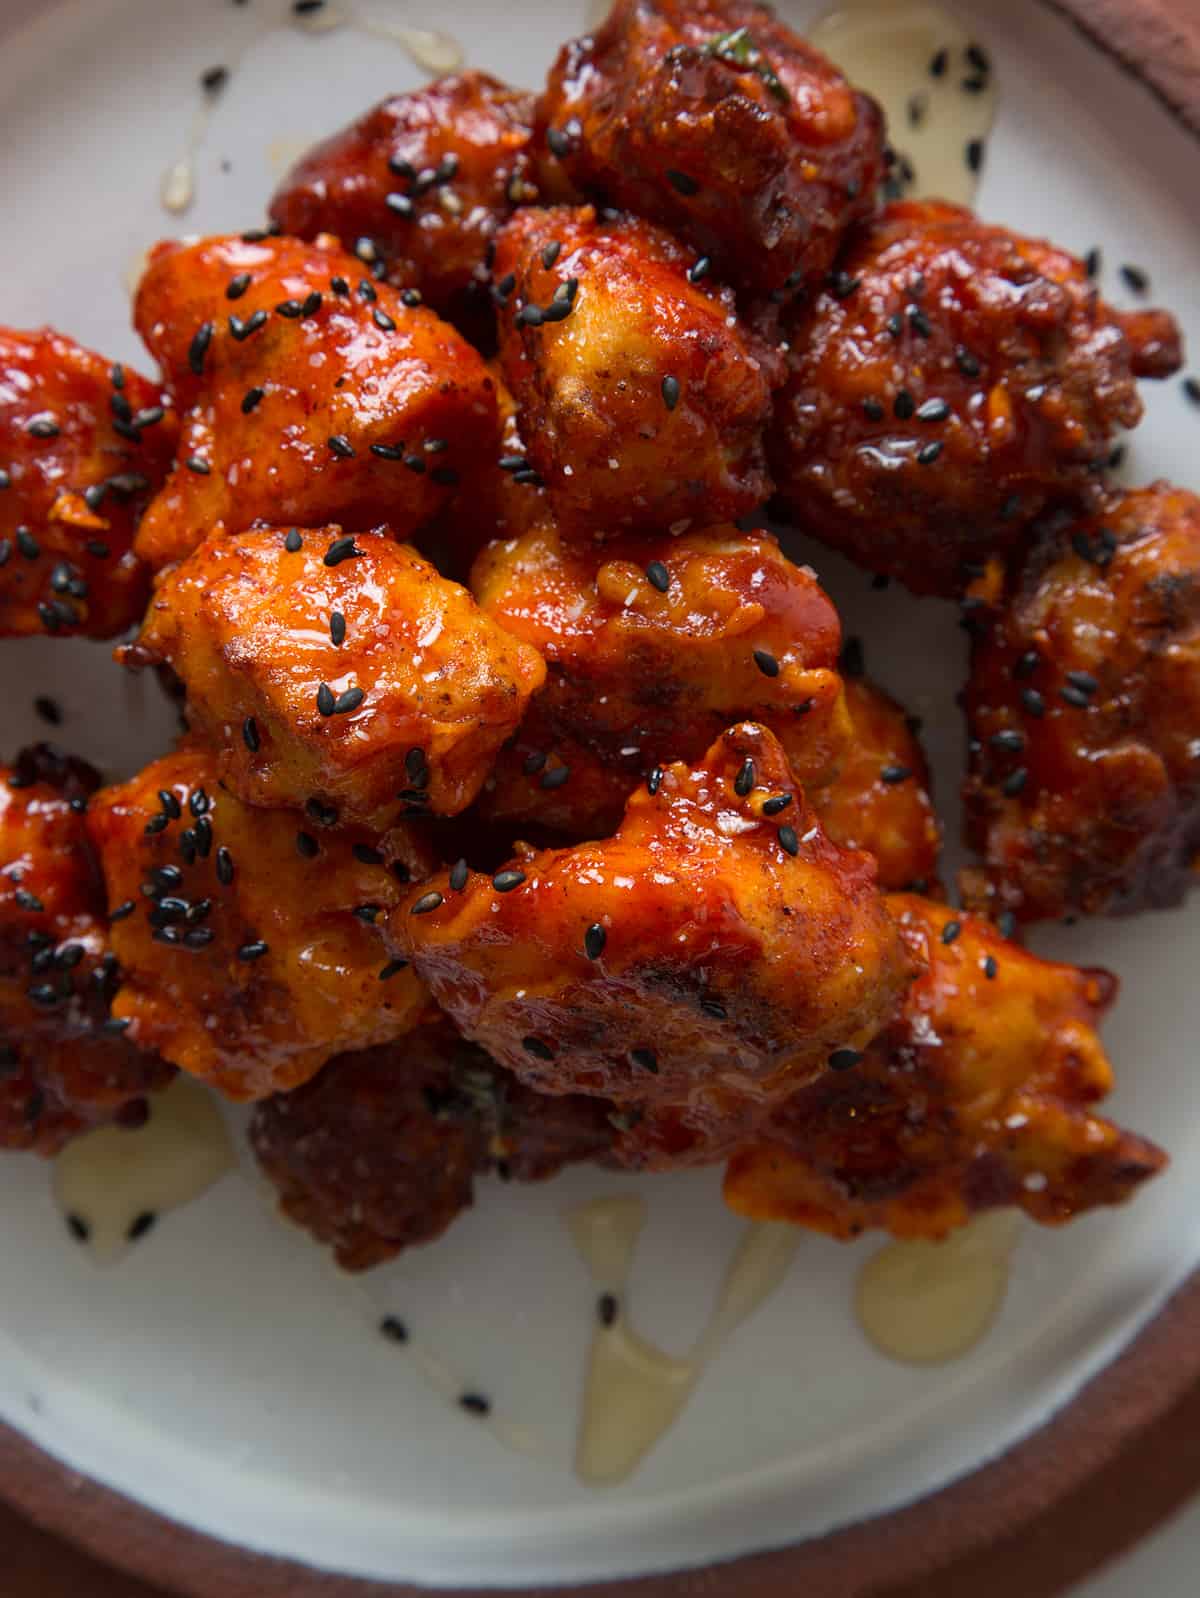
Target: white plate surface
[225, 1374]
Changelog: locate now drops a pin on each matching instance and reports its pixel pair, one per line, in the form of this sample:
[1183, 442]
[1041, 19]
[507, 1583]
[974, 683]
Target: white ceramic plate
[225, 1375]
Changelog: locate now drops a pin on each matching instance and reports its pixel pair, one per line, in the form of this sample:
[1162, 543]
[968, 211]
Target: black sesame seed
[1135, 279]
[141, 1225]
[1084, 681]
[250, 734]
[341, 446]
[938, 64]
[341, 549]
[349, 699]
[978, 58]
[325, 699]
[339, 285]
[777, 804]
[654, 780]
[237, 286]
[475, 1404]
[872, 409]
[307, 846]
[198, 348]
[417, 768]
[529, 316]
[645, 1059]
[844, 1059]
[366, 289]
[249, 952]
[700, 270]
[293, 542]
[842, 285]
[27, 901]
[1014, 782]
[27, 544]
[388, 452]
[1191, 390]
[414, 464]
[382, 320]
[459, 875]
[224, 867]
[1026, 664]
[122, 910]
[967, 363]
[78, 1227]
[197, 464]
[990, 967]
[538, 1049]
[558, 141]
[894, 774]
[392, 969]
[974, 155]
[682, 182]
[5, 478]
[766, 662]
[556, 778]
[788, 841]
[744, 781]
[607, 1309]
[670, 391]
[1033, 702]
[156, 824]
[426, 903]
[393, 1329]
[1009, 740]
[505, 286]
[445, 475]
[904, 406]
[919, 322]
[658, 576]
[368, 913]
[241, 331]
[951, 931]
[895, 324]
[551, 253]
[930, 453]
[506, 881]
[48, 709]
[933, 410]
[251, 399]
[312, 303]
[594, 940]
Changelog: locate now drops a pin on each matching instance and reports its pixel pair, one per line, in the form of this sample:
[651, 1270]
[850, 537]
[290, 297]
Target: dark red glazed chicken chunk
[250, 941]
[84, 444]
[343, 669]
[641, 398]
[980, 1094]
[1084, 713]
[380, 1151]
[712, 956]
[715, 119]
[309, 393]
[420, 184]
[63, 1066]
[655, 645]
[951, 380]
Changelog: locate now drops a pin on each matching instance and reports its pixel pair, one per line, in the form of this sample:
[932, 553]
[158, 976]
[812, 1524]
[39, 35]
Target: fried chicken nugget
[84, 445]
[641, 398]
[1084, 712]
[713, 955]
[716, 120]
[978, 1095]
[339, 668]
[309, 393]
[250, 941]
[62, 1066]
[951, 380]
[379, 1152]
[422, 182]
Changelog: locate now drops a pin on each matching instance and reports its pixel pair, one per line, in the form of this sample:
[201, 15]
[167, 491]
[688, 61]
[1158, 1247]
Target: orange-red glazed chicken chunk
[380, 1151]
[250, 941]
[879, 800]
[1084, 712]
[63, 1065]
[979, 1095]
[641, 399]
[339, 667]
[715, 119]
[309, 393]
[654, 646]
[420, 184]
[951, 380]
[712, 956]
[84, 444]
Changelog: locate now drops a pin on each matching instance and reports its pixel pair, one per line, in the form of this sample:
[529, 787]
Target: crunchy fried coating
[379, 1152]
[423, 180]
[309, 393]
[397, 708]
[642, 400]
[707, 957]
[253, 950]
[653, 646]
[951, 380]
[879, 800]
[84, 445]
[1084, 712]
[545, 782]
[715, 119]
[62, 1068]
[978, 1095]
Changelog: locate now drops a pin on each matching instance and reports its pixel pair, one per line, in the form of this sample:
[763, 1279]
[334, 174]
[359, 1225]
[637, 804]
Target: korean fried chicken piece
[424, 179]
[379, 1152]
[978, 1095]
[879, 800]
[62, 1067]
[546, 782]
[710, 956]
[716, 120]
[84, 445]
[951, 380]
[653, 646]
[323, 665]
[250, 941]
[1084, 712]
[309, 393]
[641, 399]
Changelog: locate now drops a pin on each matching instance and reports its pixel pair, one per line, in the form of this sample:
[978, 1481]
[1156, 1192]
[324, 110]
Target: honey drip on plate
[113, 1184]
[927, 1303]
[635, 1391]
[935, 84]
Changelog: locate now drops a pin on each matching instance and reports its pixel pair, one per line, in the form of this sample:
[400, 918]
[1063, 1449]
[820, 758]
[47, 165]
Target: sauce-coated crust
[880, 800]
[618, 450]
[80, 458]
[60, 1070]
[728, 958]
[380, 1150]
[526, 792]
[258, 956]
[655, 645]
[360, 369]
[426, 178]
[1086, 679]
[949, 382]
[979, 1095]
[245, 623]
[718, 121]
